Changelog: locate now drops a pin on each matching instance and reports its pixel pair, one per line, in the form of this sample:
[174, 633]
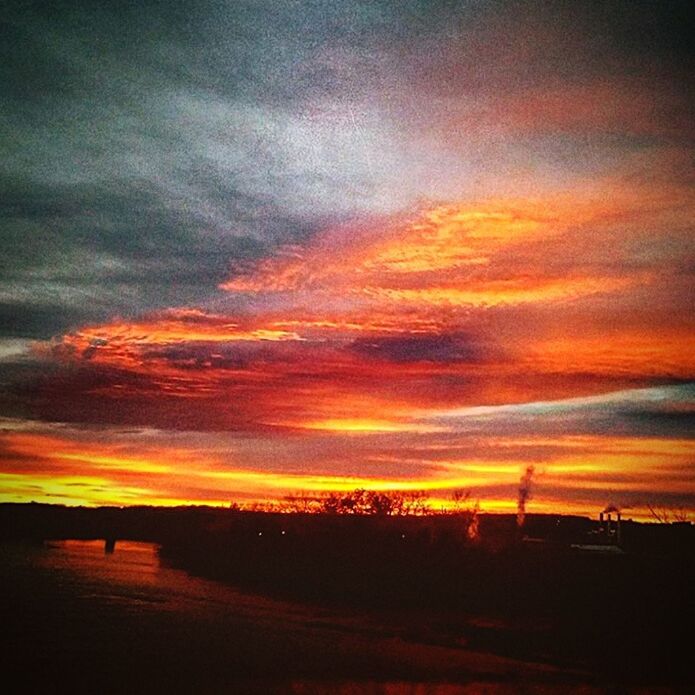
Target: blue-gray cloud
[146, 147]
[659, 411]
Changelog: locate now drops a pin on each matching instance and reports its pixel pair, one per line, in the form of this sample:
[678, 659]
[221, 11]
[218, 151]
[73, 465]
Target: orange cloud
[349, 345]
[575, 475]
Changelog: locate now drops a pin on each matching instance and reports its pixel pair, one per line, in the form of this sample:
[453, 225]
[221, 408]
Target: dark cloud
[428, 348]
[84, 252]
[672, 422]
[659, 411]
[147, 147]
[113, 117]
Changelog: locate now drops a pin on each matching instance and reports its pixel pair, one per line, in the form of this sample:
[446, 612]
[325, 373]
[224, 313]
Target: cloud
[310, 226]
[428, 348]
[135, 173]
[391, 318]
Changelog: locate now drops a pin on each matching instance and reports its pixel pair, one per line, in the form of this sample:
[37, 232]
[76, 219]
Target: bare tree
[459, 497]
[415, 503]
[467, 513]
[669, 515]
[300, 503]
[373, 502]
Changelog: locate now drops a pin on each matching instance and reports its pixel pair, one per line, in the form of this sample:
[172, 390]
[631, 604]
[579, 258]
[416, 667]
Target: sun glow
[470, 327]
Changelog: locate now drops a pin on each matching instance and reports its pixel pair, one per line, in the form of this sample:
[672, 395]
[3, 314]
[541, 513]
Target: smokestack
[524, 495]
[612, 532]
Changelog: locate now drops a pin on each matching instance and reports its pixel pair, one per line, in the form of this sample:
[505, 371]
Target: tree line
[361, 501]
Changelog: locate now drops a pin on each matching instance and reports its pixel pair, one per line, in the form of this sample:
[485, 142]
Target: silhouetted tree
[373, 502]
[666, 515]
[415, 502]
[467, 513]
[301, 503]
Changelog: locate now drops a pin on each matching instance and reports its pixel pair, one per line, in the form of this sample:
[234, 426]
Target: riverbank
[78, 620]
[382, 600]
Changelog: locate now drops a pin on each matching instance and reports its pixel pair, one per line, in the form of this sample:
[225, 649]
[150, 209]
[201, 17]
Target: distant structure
[609, 526]
[609, 538]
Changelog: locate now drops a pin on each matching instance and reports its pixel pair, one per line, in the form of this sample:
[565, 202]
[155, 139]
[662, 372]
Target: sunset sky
[251, 249]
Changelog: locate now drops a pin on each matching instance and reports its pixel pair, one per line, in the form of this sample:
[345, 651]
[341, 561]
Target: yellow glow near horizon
[124, 463]
[367, 426]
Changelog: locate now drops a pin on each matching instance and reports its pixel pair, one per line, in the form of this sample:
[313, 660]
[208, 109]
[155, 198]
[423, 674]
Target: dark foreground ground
[231, 602]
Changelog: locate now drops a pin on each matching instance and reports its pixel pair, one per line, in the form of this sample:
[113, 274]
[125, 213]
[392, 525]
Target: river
[78, 619]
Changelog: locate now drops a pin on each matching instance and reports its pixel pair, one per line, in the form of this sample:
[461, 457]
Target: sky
[257, 249]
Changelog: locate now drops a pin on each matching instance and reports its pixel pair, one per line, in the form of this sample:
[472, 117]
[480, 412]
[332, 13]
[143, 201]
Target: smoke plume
[524, 495]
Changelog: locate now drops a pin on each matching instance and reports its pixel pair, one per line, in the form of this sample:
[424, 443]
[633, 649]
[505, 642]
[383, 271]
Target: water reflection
[127, 617]
[404, 688]
[134, 574]
[129, 574]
